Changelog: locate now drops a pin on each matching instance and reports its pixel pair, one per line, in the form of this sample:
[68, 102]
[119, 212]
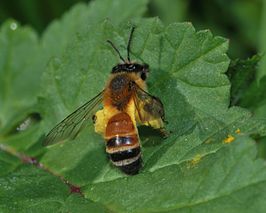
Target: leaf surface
[193, 167]
[32, 190]
[208, 163]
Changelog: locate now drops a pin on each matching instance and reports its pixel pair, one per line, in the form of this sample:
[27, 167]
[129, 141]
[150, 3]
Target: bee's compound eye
[143, 76]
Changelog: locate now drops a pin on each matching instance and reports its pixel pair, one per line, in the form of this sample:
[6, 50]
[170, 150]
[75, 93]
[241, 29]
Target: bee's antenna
[129, 42]
[116, 50]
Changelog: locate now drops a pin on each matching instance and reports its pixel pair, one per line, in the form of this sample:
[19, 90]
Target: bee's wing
[148, 106]
[72, 124]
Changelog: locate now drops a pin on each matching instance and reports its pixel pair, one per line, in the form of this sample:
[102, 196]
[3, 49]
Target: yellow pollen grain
[238, 131]
[229, 139]
[196, 159]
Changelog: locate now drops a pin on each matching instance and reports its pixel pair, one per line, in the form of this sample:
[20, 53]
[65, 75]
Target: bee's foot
[165, 134]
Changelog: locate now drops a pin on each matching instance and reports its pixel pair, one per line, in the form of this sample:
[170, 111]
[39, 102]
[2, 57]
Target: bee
[126, 103]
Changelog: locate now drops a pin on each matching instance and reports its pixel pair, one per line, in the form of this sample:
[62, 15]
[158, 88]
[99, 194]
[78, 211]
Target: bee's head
[141, 69]
[128, 66]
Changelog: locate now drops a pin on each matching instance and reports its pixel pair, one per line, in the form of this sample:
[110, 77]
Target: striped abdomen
[122, 143]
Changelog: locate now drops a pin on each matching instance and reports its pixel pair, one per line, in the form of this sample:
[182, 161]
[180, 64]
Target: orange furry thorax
[118, 93]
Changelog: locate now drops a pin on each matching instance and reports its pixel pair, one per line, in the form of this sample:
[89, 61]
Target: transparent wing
[72, 124]
[148, 106]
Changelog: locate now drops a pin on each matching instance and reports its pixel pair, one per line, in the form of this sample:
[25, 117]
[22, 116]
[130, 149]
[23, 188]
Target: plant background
[242, 21]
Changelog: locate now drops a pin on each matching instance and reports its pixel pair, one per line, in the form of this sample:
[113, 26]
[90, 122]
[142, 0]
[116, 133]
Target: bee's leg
[158, 124]
[99, 121]
[164, 132]
[94, 118]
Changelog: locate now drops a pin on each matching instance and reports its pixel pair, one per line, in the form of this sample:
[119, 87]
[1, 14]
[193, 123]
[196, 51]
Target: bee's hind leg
[164, 132]
[99, 121]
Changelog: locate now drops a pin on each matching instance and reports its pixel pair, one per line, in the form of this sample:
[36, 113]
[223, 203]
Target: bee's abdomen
[128, 159]
[122, 143]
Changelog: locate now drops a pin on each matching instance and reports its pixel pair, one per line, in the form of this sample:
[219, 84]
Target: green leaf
[255, 98]
[262, 43]
[245, 90]
[8, 162]
[242, 74]
[16, 66]
[32, 190]
[212, 184]
[60, 33]
[261, 144]
[21, 66]
[190, 170]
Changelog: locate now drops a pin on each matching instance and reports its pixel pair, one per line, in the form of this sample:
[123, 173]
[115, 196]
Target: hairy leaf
[32, 190]
[187, 73]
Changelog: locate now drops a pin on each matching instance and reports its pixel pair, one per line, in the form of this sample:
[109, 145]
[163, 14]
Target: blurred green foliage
[238, 20]
[262, 41]
[38, 14]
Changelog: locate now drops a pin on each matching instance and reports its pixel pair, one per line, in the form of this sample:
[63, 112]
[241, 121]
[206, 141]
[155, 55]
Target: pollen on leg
[100, 122]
